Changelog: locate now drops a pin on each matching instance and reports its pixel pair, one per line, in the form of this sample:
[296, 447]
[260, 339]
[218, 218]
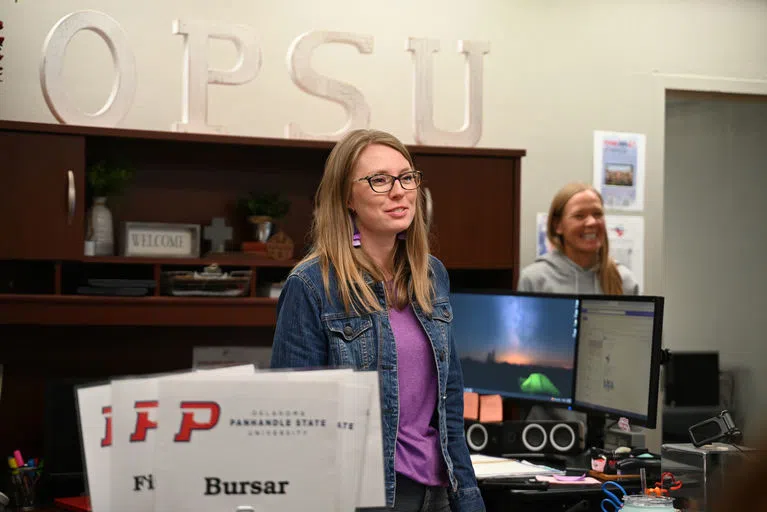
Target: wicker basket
[280, 247]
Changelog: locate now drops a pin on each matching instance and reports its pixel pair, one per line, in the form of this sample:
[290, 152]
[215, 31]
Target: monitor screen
[618, 362]
[517, 345]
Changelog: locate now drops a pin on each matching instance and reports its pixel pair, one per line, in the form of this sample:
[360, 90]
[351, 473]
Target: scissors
[611, 499]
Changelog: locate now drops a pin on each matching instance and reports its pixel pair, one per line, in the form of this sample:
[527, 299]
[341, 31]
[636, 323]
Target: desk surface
[556, 498]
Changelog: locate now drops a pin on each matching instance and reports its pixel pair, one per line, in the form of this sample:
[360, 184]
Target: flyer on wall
[619, 169]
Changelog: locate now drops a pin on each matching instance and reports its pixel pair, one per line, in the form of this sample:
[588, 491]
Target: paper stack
[233, 438]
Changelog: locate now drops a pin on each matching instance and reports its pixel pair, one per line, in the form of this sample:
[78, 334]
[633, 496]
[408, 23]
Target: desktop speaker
[524, 437]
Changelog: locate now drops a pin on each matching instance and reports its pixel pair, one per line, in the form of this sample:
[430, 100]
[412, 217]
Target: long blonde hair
[609, 277]
[332, 231]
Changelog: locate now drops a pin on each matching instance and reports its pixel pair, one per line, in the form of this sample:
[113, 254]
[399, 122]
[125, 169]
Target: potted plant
[106, 180]
[263, 210]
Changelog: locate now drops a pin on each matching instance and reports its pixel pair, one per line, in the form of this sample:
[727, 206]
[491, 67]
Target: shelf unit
[147, 311]
[63, 307]
[190, 179]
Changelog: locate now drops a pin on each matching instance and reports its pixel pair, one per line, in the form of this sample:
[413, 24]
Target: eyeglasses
[383, 183]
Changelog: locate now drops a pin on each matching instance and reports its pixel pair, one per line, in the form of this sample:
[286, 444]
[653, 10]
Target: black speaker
[520, 437]
[692, 379]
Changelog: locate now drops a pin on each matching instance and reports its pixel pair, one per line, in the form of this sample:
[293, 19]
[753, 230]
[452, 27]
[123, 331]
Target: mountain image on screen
[538, 383]
[516, 346]
[517, 379]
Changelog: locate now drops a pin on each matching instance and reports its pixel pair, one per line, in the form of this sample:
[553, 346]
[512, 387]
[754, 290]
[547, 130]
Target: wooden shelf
[226, 259]
[155, 311]
[242, 140]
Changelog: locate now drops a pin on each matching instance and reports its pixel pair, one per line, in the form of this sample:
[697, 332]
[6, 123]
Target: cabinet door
[475, 210]
[42, 182]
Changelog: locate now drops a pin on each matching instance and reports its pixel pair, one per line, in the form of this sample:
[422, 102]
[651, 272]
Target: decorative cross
[218, 233]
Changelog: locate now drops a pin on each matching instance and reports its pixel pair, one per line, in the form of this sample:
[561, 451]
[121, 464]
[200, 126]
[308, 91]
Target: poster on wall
[619, 169]
[542, 243]
[625, 234]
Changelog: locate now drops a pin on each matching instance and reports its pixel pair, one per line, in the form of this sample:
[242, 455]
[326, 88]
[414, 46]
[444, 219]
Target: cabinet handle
[71, 196]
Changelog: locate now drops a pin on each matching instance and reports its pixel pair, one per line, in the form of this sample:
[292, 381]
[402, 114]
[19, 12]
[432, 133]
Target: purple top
[418, 455]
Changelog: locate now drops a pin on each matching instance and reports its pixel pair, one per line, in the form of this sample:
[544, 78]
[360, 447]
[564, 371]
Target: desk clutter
[624, 463]
[233, 438]
[211, 282]
[25, 475]
[487, 467]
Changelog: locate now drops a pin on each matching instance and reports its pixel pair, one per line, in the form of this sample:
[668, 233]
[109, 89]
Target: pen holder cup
[24, 485]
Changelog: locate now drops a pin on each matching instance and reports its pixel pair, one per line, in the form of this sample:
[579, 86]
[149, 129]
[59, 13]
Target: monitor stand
[595, 430]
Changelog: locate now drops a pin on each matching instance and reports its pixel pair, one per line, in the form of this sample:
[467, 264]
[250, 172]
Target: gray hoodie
[556, 273]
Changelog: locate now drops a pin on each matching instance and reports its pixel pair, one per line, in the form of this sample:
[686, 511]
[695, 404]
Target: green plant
[266, 204]
[108, 179]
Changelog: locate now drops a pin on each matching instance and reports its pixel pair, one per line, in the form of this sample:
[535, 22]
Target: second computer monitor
[618, 363]
[516, 345]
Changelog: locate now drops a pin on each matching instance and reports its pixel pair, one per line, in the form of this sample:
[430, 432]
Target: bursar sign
[198, 76]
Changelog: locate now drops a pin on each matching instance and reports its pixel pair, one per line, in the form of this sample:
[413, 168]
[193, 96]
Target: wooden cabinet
[192, 178]
[42, 179]
[476, 209]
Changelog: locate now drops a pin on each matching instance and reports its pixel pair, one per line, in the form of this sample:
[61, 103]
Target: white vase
[101, 228]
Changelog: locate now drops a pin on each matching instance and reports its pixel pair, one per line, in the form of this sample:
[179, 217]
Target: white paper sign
[626, 235]
[229, 443]
[619, 169]
[373, 490]
[134, 422]
[94, 409]
[360, 440]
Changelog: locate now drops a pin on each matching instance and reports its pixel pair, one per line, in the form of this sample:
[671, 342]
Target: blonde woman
[370, 296]
[580, 261]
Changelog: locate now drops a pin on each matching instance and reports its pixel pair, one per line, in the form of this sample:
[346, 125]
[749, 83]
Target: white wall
[557, 70]
[716, 240]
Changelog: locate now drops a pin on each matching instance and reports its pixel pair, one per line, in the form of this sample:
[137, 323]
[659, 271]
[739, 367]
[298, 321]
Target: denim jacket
[315, 331]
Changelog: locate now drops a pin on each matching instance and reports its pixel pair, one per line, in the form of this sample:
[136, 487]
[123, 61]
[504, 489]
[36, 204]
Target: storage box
[700, 470]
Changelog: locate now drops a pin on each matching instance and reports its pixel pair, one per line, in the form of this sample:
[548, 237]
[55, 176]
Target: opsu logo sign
[195, 416]
[189, 422]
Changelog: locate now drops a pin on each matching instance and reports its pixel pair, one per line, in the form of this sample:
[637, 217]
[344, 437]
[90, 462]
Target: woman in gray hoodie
[579, 261]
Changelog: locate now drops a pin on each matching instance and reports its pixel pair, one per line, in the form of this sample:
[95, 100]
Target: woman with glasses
[370, 296]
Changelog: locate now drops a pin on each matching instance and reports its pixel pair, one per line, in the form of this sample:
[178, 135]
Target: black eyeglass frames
[383, 183]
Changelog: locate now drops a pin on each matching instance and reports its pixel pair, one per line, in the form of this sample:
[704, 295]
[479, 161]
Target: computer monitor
[517, 345]
[64, 472]
[618, 358]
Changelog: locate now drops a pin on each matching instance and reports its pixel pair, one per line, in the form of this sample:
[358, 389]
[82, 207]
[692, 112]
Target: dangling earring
[356, 240]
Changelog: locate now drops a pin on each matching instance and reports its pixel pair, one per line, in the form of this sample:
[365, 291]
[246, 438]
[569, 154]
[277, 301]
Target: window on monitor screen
[521, 346]
[618, 357]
